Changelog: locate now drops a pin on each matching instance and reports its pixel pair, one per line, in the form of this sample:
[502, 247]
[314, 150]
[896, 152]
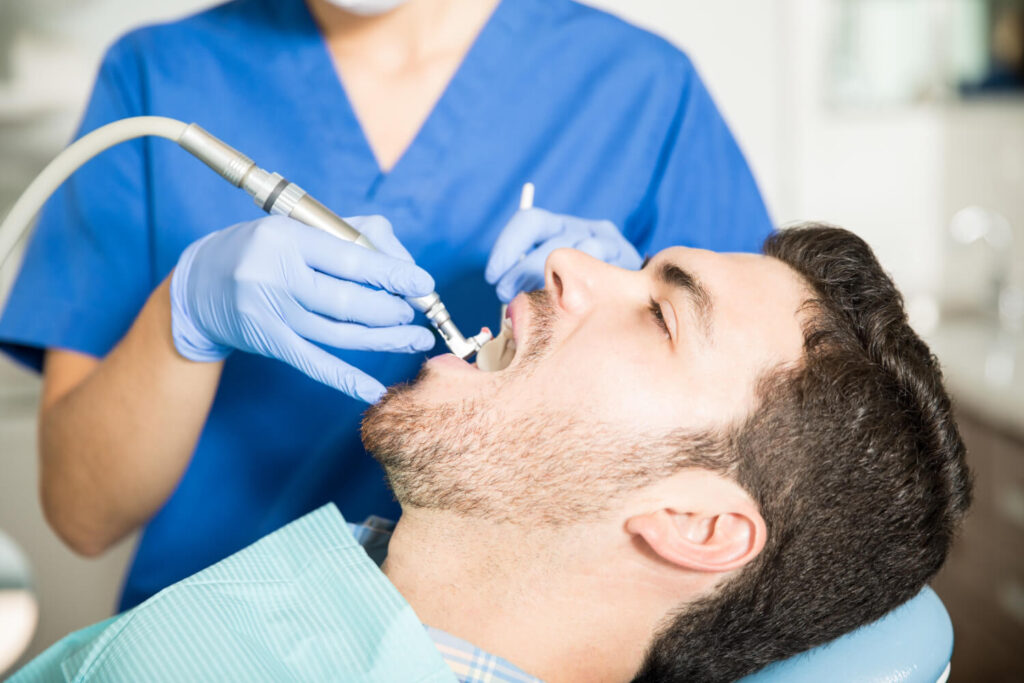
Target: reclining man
[687, 472]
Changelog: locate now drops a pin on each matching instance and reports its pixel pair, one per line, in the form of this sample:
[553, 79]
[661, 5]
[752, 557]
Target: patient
[686, 473]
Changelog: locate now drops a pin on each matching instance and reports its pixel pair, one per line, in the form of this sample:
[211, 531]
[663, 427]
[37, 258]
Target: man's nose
[575, 281]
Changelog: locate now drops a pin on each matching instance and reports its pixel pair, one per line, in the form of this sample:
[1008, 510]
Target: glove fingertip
[418, 282]
[406, 314]
[506, 293]
[362, 387]
[371, 393]
[496, 267]
[423, 341]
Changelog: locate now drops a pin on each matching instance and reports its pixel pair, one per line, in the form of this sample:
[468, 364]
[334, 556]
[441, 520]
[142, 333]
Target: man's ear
[715, 529]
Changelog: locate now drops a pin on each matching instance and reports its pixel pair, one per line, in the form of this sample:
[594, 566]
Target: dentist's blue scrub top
[609, 122]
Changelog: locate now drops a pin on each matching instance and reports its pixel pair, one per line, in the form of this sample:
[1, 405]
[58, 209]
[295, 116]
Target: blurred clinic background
[902, 120]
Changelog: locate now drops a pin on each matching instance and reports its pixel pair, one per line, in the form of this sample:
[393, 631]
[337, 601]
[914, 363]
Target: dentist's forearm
[116, 437]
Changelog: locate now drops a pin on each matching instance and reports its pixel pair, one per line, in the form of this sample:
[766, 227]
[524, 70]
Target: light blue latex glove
[517, 260]
[278, 288]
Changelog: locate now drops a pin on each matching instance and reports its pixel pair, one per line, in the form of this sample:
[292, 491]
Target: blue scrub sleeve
[703, 193]
[87, 270]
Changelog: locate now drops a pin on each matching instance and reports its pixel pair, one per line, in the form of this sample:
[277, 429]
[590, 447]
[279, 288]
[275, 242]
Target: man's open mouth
[498, 354]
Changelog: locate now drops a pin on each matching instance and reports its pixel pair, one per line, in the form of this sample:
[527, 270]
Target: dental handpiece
[278, 196]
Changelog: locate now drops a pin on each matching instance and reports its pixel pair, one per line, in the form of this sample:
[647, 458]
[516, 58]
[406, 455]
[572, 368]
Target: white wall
[876, 171]
[983, 145]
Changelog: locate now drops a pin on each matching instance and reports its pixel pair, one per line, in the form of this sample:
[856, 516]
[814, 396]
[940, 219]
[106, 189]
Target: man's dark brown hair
[856, 463]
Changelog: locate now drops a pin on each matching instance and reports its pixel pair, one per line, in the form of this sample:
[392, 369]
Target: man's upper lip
[516, 316]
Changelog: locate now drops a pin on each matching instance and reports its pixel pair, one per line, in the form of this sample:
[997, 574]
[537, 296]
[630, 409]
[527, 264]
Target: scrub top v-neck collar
[414, 175]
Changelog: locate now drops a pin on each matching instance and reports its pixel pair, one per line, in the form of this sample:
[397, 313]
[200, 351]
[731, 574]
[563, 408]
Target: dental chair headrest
[911, 644]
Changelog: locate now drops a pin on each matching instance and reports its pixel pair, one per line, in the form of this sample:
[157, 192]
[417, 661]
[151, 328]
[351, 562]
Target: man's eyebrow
[675, 276]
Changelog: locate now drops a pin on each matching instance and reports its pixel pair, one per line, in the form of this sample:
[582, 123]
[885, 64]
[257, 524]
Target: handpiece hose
[271, 192]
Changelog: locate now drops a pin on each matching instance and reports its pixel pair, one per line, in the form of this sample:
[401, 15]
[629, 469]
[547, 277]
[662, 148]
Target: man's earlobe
[712, 541]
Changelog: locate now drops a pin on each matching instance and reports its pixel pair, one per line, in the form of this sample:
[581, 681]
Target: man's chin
[399, 413]
[404, 392]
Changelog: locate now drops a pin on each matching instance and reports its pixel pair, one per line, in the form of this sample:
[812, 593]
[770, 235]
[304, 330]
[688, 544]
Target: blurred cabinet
[982, 583]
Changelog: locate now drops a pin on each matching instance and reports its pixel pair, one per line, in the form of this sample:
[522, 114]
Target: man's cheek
[612, 387]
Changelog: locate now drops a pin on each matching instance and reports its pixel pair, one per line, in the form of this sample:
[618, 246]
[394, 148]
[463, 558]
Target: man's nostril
[558, 284]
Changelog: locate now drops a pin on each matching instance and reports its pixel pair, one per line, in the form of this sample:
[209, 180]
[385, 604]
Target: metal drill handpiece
[439, 317]
[459, 345]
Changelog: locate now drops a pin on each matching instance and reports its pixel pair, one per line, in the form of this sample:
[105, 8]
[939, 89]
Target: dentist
[204, 376]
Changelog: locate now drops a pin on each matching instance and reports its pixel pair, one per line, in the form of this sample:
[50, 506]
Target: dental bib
[306, 603]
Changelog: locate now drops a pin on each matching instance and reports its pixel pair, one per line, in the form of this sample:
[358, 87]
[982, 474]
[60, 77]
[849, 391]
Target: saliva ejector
[271, 192]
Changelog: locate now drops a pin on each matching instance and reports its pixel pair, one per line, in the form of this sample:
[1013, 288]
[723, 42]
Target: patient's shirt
[308, 602]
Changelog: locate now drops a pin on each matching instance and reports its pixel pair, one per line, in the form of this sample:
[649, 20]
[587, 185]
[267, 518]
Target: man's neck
[552, 602]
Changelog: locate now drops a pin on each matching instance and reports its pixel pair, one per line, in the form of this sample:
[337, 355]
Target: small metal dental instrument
[526, 196]
[525, 202]
[271, 192]
[497, 353]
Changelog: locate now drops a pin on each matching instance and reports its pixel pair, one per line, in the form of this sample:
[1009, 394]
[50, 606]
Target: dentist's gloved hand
[277, 287]
[517, 260]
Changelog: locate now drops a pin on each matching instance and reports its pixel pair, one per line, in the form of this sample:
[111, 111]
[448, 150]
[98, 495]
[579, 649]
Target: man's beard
[475, 457]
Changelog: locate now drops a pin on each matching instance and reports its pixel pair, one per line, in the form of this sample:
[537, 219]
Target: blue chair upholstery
[911, 644]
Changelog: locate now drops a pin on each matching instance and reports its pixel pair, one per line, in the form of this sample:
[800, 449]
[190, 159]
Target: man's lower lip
[451, 360]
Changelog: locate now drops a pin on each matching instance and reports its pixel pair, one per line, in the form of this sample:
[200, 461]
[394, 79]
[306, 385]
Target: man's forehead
[749, 267]
[685, 254]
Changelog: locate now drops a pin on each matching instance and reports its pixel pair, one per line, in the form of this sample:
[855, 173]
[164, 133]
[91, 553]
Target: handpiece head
[441, 319]
[459, 345]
